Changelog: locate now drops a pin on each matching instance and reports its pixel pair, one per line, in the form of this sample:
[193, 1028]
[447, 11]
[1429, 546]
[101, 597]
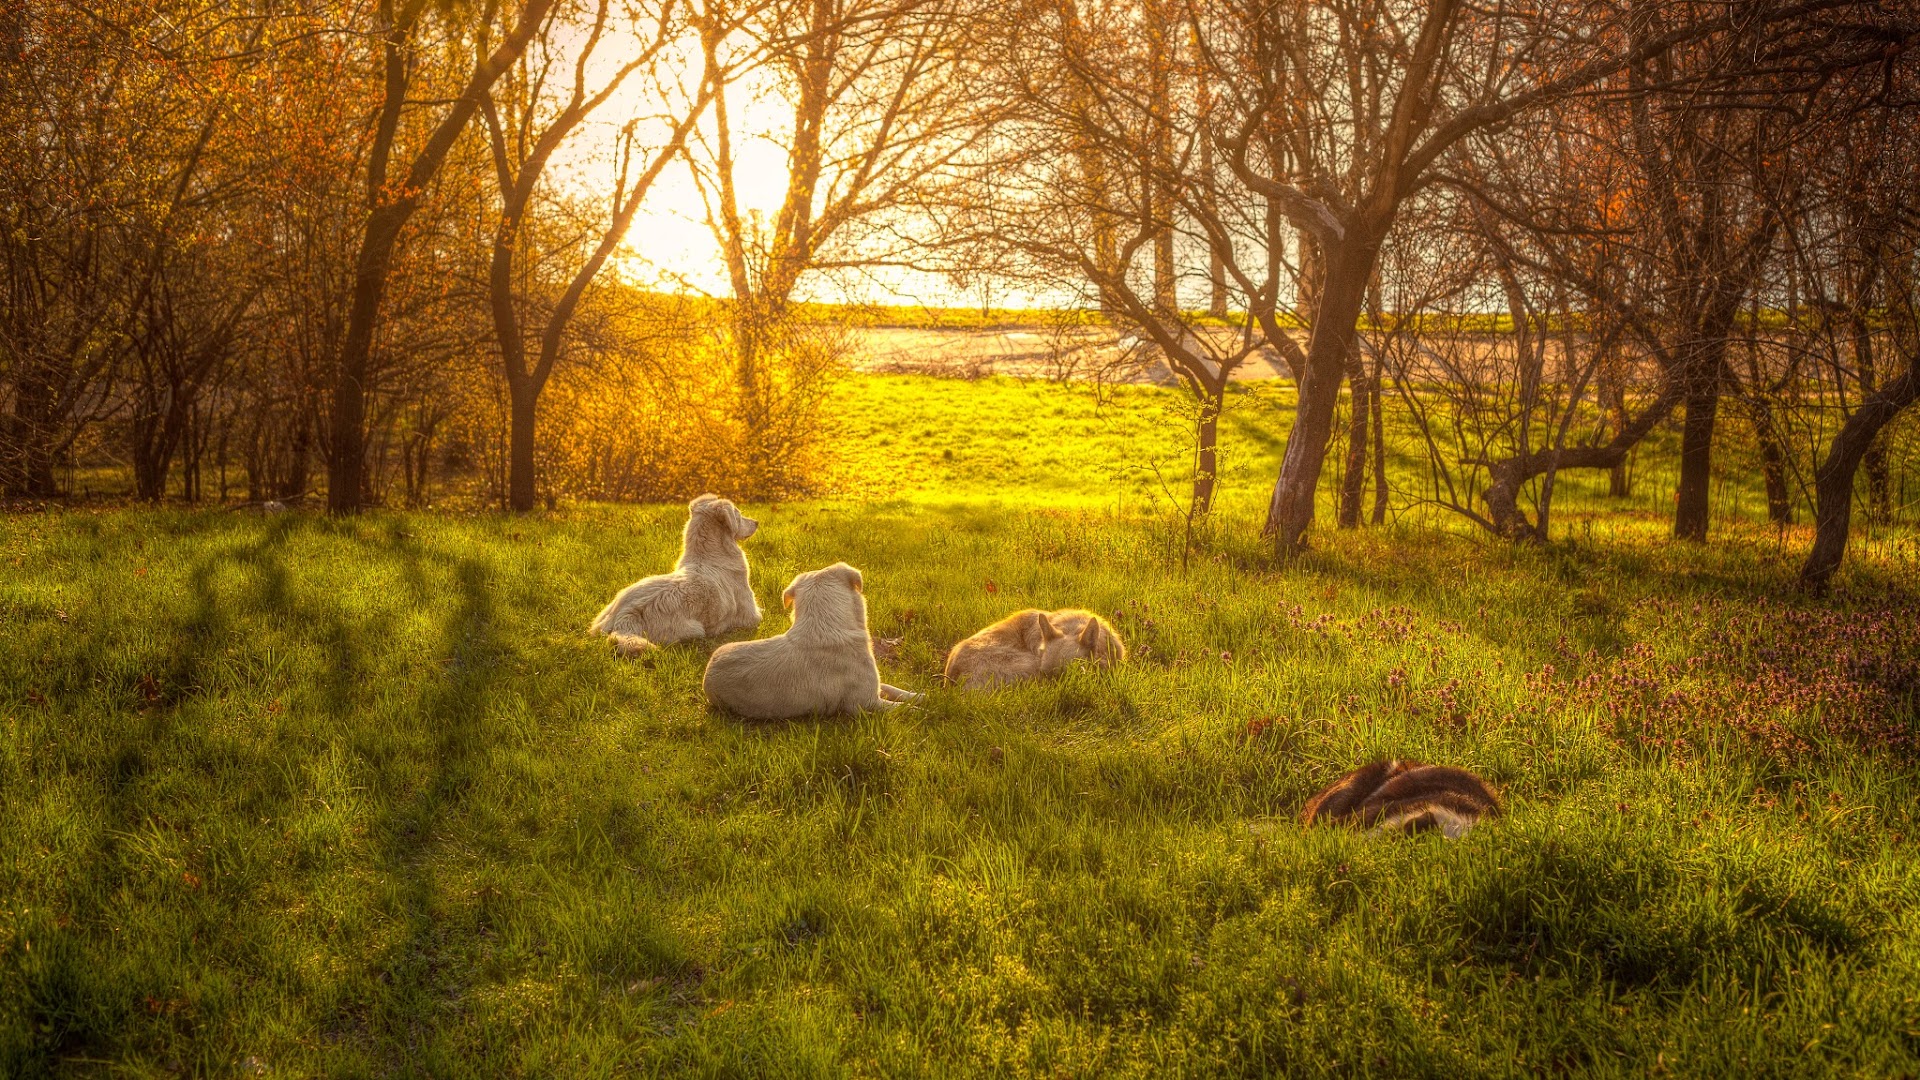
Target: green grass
[298, 797]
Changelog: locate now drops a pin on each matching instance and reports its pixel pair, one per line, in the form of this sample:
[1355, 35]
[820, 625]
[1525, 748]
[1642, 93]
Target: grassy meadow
[289, 796]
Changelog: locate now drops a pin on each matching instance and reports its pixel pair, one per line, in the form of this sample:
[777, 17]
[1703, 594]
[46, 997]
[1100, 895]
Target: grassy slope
[360, 798]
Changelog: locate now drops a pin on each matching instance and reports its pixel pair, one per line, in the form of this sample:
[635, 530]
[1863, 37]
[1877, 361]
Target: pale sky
[670, 241]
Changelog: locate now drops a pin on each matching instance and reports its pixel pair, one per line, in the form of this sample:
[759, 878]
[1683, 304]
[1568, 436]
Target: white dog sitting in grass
[823, 664]
[706, 595]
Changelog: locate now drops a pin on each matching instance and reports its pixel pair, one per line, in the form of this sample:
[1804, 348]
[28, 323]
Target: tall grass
[290, 796]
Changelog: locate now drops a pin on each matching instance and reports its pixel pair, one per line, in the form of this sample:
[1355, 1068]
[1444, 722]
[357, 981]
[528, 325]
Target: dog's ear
[854, 579]
[702, 500]
[1101, 642]
[743, 526]
[786, 596]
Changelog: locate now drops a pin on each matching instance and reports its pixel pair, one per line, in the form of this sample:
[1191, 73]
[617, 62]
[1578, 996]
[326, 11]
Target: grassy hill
[287, 796]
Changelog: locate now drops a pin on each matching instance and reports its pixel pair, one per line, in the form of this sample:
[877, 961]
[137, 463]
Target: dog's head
[1035, 629]
[1087, 637]
[832, 593]
[720, 517]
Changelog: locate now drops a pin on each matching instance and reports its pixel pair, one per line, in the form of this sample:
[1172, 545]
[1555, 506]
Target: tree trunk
[150, 451]
[1692, 509]
[30, 473]
[1833, 483]
[259, 454]
[1206, 472]
[1353, 478]
[1217, 284]
[293, 485]
[1773, 464]
[347, 464]
[1879, 489]
[1216, 262]
[159, 431]
[525, 398]
[1506, 477]
[1879, 483]
[151, 463]
[1379, 443]
[1619, 483]
[193, 452]
[1342, 291]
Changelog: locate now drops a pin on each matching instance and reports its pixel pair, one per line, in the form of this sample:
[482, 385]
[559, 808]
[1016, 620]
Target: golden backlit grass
[290, 796]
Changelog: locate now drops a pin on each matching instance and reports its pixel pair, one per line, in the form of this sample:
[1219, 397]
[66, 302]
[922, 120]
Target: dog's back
[823, 664]
[660, 609]
[1008, 651]
[1404, 796]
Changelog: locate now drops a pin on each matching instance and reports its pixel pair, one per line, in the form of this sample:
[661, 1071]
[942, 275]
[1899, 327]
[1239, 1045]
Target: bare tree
[391, 203]
[524, 137]
[876, 104]
[1098, 177]
[1341, 112]
[1873, 185]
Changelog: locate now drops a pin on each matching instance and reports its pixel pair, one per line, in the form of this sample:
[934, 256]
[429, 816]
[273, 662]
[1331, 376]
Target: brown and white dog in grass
[1033, 644]
[822, 665]
[1404, 796]
[706, 595]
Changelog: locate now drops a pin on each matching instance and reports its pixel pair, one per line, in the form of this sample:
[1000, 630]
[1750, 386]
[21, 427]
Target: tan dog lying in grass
[706, 595]
[823, 664]
[1405, 796]
[1033, 644]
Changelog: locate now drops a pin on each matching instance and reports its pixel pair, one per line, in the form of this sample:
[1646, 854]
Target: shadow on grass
[245, 604]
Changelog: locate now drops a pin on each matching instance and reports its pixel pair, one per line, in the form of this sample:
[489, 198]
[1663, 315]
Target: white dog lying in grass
[706, 595]
[823, 664]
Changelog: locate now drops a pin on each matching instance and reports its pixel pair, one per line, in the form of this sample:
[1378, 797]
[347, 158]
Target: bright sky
[670, 244]
[669, 240]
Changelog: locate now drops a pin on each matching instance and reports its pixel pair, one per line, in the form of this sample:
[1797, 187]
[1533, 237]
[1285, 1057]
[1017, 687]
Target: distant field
[287, 796]
[1129, 448]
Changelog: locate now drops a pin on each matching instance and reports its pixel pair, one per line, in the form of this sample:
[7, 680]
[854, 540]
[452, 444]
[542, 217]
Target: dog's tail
[618, 621]
[631, 644]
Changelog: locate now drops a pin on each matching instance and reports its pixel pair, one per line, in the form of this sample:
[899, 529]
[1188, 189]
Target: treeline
[1683, 209]
[301, 247]
[305, 250]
